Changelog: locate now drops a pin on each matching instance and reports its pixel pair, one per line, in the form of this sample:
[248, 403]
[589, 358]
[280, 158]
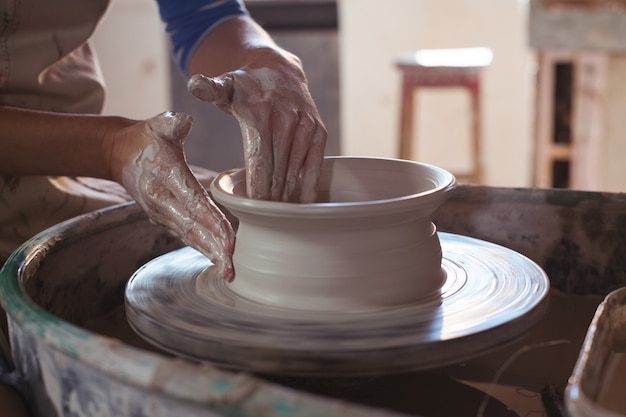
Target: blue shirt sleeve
[188, 21]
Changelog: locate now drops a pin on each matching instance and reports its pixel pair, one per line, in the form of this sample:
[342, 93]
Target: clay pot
[367, 243]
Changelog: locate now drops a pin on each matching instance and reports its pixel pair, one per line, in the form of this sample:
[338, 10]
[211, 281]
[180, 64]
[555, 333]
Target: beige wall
[133, 53]
[374, 33]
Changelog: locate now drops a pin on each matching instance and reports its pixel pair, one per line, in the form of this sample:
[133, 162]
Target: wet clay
[368, 242]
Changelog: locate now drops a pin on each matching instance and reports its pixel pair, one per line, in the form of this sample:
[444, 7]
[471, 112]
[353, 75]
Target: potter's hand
[284, 137]
[149, 161]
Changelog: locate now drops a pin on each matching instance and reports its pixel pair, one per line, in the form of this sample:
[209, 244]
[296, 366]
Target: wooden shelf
[582, 144]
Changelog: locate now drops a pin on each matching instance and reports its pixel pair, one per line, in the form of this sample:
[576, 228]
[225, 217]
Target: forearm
[44, 143]
[237, 43]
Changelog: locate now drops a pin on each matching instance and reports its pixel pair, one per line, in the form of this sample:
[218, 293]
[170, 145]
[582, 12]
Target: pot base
[491, 296]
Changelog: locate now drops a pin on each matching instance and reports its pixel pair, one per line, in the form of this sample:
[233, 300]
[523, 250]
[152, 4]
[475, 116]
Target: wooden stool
[443, 68]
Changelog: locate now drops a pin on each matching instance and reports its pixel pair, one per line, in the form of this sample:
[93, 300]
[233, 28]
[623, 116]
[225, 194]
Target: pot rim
[444, 181]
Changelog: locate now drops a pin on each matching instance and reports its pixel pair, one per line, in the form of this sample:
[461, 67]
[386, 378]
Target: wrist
[113, 139]
[277, 59]
[238, 43]
[270, 56]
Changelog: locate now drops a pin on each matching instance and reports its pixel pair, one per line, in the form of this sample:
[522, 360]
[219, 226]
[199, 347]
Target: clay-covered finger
[299, 149]
[185, 209]
[284, 127]
[258, 160]
[306, 134]
[217, 90]
[215, 240]
[172, 126]
[212, 242]
[312, 166]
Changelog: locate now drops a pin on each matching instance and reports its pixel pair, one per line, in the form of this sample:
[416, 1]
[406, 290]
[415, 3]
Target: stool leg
[544, 105]
[476, 175]
[405, 150]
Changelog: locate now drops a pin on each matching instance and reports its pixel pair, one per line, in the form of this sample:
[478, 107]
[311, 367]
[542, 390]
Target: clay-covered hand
[148, 159]
[284, 136]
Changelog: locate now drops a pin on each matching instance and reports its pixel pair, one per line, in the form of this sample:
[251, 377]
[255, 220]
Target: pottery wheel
[492, 296]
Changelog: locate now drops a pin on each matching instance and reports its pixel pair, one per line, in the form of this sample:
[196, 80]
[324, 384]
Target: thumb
[218, 90]
[171, 126]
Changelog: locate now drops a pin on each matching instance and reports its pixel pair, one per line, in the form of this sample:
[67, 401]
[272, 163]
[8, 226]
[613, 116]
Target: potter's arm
[146, 157]
[44, 143]
[265, 88]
